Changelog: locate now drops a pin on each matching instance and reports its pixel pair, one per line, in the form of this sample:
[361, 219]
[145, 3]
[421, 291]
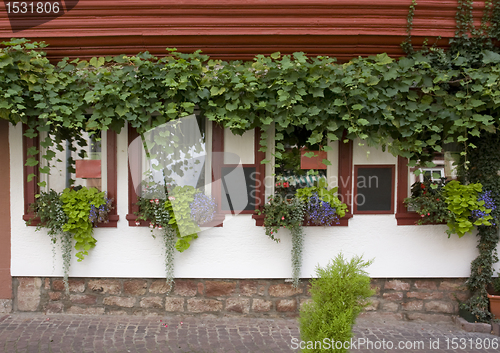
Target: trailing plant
[70, 215]
[338, 295]
[462, 201]
[428, 200]
[177, 216]
[289, 214]
[77, 204]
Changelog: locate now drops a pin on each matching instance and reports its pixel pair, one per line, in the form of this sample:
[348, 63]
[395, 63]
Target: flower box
[88, 168]
[315, 162]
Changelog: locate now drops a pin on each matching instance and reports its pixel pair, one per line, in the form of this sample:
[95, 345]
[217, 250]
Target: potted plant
[177, 213]
[494, 297]
[72, 216]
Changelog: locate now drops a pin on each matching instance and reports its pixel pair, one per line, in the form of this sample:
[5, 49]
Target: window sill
[112, 223]
[216, 222]
[343, 222]
[411, 219]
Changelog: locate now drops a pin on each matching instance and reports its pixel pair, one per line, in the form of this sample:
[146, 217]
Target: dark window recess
[238, 188]
[374, 189]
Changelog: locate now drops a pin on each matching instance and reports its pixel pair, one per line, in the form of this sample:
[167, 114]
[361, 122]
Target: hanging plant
[178, 216]
[72, 215]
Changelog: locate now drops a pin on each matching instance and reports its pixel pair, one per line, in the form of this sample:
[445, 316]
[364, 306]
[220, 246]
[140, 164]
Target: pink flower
[171, 198]
[428, 214]
[137, 223]
[151, 201]
[157, 201]
[151, 225]
[283, 218]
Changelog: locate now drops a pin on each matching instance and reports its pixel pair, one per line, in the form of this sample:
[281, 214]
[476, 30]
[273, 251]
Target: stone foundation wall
[5, 306]
[428, 299]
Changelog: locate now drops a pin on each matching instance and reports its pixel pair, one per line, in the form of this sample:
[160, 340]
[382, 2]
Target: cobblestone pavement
[64, 333]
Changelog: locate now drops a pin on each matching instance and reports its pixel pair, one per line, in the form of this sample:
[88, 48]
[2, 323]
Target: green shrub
[338, 296]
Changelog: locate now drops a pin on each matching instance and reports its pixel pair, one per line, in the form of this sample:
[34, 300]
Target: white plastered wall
[239, 249]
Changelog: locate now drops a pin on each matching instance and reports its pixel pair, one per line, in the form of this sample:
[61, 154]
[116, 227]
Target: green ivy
[77, 205]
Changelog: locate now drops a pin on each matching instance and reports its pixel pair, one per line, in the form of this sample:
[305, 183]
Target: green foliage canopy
[412, 105]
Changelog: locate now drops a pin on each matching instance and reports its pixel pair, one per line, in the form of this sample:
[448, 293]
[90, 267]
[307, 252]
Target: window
[374, 189]
[222, 166]
[339, 173]
[96, 168]
[445, 167]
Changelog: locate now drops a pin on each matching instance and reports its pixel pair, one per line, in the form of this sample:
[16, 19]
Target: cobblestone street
[68, 333]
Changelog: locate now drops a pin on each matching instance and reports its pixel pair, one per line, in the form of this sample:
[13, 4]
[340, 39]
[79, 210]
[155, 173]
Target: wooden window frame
[133, 208]
[218, 164]
[393, 189]
[31, 188]
[345, 163]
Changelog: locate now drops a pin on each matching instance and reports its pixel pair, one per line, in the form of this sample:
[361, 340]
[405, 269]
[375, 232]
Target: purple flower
[202, 209]
[320, 212]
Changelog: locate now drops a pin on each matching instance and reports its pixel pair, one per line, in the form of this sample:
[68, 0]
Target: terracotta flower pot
[494, 305]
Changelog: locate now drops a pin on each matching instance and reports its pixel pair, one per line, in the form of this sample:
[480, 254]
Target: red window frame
[345, 162]
[217, 164]
[393, 181]
[31, 188]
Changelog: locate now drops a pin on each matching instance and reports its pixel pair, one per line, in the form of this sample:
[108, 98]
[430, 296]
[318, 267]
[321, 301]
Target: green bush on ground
[338, 296]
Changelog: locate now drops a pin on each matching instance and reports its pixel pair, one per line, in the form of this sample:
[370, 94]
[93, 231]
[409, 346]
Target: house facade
[232, 268]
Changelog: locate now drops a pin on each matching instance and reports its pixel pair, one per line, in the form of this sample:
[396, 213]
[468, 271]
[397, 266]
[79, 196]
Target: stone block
[286, 305]
[135, 287]
[197, 305]
[452, 284]
[375, 285]
[414, 305]
[105, 286]
[28, 293]
[46, 285]
[495, 328]
[160, 287]
[75, 285]
[397, 285]
[85, 311]
[373, 306]
[248, 287]
[261, 305]
[5, 306]
[429, 317]
[238, 305]
[440, 307]
[482, 327]
[425, 295]
[425, 284]
[395, 296]
[151, 302]
[219, 288]
[86, 299]
[390, 306]
[461, 296]
[185, 288]
[119, 301]
[54, 308]
[285, 290]
[174, 304]
[117, 312]
[54, 296]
